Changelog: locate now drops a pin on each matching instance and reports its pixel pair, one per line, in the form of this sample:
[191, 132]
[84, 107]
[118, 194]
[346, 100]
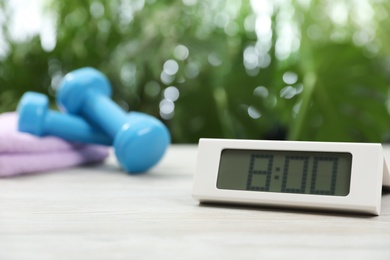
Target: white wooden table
[99, 212]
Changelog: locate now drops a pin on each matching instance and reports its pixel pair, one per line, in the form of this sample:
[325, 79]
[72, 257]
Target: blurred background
[261, 69]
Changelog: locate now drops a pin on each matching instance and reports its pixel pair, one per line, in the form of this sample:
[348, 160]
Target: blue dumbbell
[36, 118]
[139, 144]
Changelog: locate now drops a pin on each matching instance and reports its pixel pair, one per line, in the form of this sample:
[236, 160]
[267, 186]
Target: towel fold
[22, 153]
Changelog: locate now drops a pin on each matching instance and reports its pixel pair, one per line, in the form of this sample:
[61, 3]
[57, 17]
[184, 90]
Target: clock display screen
[318, 173]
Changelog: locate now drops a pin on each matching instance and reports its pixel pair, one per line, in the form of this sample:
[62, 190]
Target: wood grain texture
[100, 212]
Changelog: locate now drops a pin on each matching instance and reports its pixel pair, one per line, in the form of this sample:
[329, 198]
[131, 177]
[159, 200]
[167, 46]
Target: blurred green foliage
[298, 70]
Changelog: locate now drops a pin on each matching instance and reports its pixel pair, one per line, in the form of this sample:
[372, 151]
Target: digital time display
[317, 173]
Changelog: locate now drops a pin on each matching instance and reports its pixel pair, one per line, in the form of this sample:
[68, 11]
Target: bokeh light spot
[171, 67]
[96, 9]
[167, 108]
[192, 70]
[261, 91]
[214, 60]
[253, 112]
[181, 52]
[171, 93]
[290, 77]
[288, 92]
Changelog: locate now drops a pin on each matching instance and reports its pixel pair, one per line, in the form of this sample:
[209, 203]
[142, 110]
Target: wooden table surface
[99, 212]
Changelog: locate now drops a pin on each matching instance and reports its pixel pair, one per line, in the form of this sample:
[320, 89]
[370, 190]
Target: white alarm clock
[312, 175]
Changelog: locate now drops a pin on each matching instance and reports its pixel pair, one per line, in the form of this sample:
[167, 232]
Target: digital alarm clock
[312, 175]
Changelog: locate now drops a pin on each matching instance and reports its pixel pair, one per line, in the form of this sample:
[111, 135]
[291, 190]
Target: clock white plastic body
[368, 170]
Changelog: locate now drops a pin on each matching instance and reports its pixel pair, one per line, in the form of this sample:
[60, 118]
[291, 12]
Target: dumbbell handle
[100, 109]
[74, 129]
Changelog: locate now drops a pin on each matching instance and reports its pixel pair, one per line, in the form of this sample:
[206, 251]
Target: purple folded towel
[22, 153]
